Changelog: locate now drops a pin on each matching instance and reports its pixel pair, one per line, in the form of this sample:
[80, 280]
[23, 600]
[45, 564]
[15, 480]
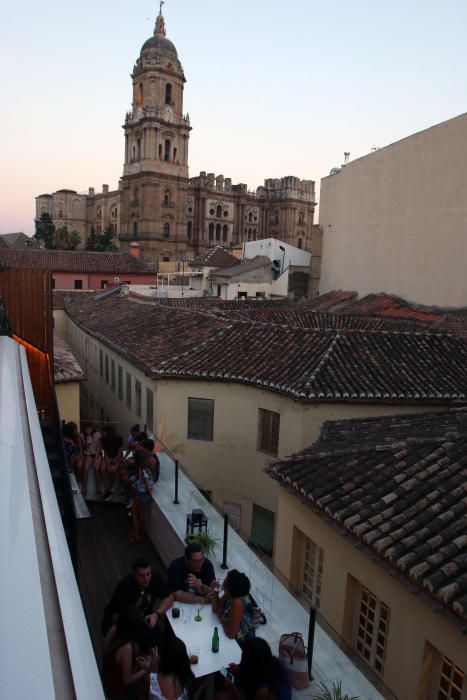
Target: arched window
[189, 229]
[167, 150]
[160, 151]
[98, 213]
[138, 149]
[134, 154]
[211, 232]
[135, 228]
[225, 231]
[166, 230]
[139, 95]
[250, 217]
[249, 234]
[218, 211]
[114, 213]
[299, 242]
[254, 234]
[218, 232]
[135, 197]
[301, 218]
[60, 213]
[168, 94]
[175, 155]
[166, 198]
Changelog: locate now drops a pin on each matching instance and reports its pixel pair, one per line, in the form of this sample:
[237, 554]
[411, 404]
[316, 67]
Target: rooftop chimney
[346, 157]
[105, 189]
[91, 191]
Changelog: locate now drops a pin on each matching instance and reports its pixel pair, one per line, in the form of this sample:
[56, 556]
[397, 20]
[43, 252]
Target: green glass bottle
[215, 641]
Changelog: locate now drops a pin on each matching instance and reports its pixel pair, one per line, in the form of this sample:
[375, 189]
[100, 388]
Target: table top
[197, 635]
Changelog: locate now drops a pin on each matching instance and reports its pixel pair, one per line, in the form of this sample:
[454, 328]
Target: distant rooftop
[75, 261]
[215, 257]
[66, 366]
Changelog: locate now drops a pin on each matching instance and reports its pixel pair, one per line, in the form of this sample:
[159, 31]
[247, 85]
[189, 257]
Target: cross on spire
[160, 23]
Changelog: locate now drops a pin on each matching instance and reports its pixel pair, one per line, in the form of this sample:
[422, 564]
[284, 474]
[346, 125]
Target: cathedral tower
[155, 173]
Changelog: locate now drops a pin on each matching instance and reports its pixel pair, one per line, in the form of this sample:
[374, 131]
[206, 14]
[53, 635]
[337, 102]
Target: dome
[161, 44]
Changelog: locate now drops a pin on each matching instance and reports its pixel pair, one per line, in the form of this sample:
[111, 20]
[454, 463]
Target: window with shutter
[200, 419]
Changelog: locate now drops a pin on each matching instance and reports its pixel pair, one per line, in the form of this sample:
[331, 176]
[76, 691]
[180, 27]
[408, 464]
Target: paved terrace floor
[105, 557]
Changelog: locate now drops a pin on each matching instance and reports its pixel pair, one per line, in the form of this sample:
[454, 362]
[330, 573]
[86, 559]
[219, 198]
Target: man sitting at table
[190, 577]
[142, 589]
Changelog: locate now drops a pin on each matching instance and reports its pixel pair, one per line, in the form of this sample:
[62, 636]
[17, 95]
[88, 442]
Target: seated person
[174, 677]
[234, 608]
[145, 590]
[125, 675]
[260, 675]
[72, 450]
[153, 460]
[190, 577]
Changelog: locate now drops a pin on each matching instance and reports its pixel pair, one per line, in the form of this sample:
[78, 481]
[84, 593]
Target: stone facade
[171, 215]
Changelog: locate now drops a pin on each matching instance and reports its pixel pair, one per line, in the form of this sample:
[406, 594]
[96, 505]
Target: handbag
[293, 655]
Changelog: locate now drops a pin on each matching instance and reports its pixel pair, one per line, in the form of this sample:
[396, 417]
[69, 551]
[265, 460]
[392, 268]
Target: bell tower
[155, 171]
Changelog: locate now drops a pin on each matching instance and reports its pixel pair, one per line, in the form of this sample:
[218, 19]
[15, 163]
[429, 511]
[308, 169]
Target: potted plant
[334, 693]
[207, 543]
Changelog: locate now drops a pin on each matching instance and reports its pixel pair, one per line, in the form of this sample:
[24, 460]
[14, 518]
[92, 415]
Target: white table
[199, 635]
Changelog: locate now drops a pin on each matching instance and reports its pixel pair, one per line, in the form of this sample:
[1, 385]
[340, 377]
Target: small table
[199, 634]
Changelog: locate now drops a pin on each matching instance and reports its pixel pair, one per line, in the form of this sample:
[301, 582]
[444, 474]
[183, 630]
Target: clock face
[169, 114]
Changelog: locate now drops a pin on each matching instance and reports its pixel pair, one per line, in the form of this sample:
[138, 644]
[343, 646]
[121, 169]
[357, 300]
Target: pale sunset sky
[273, 88]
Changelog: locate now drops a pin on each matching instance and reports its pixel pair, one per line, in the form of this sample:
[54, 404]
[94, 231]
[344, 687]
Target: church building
[157, 205]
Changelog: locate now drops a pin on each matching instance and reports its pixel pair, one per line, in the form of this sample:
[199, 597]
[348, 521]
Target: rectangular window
[262, 529]
[268, 431]
[101, 363]
[138, 397]
[311, 570]
[451, 685]
[120, 383]
[200, 419]
[78, 284]
[106, 368]
[372, 630]
[104, 284]
[112, 375]
[128, 390]
[53, 283]
[149, 410]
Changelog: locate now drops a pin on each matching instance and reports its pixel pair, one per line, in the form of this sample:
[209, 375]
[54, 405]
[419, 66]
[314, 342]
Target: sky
[273, 88]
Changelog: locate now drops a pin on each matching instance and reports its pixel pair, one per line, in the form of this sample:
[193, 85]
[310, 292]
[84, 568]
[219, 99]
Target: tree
[45, 230]
[63, 239]
[101, 242]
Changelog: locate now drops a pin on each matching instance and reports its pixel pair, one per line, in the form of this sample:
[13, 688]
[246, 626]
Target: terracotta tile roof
[215, 257]
[331, 301]
[75, 261]
[391, 305]
[17, 240]
[60, 296]
[66, 366]
[403, 497]
[303, 363]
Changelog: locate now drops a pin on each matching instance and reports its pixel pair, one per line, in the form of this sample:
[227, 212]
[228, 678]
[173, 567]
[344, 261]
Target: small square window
[78, 284]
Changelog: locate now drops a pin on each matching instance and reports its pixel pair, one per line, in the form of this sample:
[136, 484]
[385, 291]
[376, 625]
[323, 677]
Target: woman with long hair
[260, 675]
[174, 677]
[142, 494]
[125, 675]
[235, 608]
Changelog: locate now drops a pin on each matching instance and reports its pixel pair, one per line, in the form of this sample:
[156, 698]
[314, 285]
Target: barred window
[101, 363]
[106, 368]
[268, 431]
[200, 419]
[451, 681]
[120, 383]
[112, 375]
[311, 570]
[372, 630]
[128, 390]
[149, 410]
[138, 397]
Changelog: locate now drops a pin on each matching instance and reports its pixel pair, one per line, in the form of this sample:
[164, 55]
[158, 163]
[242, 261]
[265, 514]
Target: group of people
[143, 658]
[137, 467]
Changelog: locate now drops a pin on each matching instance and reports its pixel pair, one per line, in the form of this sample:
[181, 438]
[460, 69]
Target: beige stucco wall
[396, 220]
[59, 317]
[412, 623]
[68, 401]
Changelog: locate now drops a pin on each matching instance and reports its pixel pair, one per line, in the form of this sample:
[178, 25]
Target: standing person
[191, 577]
[142, 495]
[145, 590]
[260, 675]
[125, 675]
[234, 608]
[112, 448]
[174, 677]
[91, 453]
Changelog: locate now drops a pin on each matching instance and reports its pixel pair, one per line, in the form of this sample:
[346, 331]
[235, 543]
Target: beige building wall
[413, 624]
[68, 400]
[396, 220]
